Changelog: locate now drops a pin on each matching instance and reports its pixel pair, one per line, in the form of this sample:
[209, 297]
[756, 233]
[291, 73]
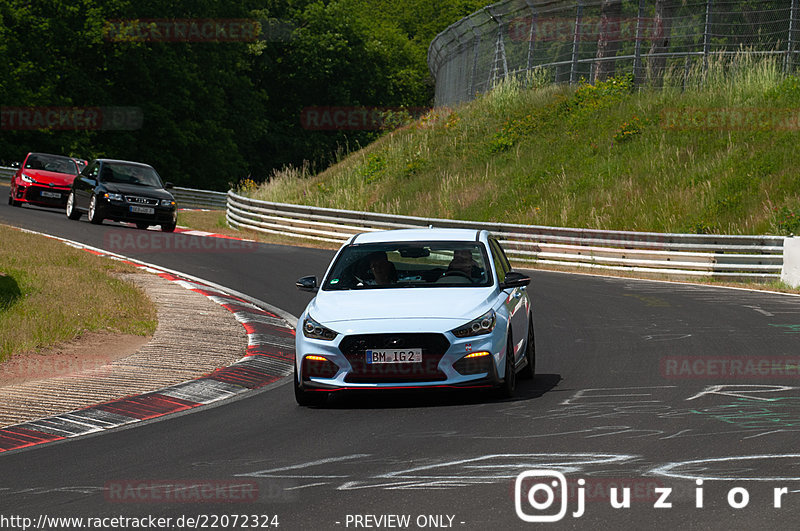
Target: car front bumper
[47, 196]
[442, 365]
[120, 211]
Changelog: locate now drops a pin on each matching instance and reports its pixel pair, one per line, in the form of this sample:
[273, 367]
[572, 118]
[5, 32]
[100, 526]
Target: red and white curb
[269, 357]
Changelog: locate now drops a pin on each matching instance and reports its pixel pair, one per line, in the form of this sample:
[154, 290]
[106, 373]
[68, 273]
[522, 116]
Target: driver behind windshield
[463, 262]
[383, 271]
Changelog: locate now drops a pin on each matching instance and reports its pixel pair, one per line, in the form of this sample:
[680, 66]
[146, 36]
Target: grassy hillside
[718, 156]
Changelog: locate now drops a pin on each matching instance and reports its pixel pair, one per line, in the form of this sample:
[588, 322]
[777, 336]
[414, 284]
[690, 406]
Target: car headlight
[27, 179]
[167, 203]
[113, 197]
[314, 330]
[477, 327]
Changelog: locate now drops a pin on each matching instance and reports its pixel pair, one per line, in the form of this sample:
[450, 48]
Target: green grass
[57, 293]
[602, 156]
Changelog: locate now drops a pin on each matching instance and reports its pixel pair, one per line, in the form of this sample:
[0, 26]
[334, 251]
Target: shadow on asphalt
[526, 390]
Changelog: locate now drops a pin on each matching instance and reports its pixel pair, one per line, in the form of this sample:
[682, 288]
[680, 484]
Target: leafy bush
[787, 220]
[373, 169]
[628, 130]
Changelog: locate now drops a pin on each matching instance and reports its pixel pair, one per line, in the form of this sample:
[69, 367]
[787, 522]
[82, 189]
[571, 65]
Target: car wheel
[168, 227]
[529, 371]
[11, 200]
[509, 384]
[142, 226]
[94, 214]
[307, 398]
[72, 212]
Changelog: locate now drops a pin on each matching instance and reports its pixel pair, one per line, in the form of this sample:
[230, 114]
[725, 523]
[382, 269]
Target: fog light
[474, 363]
[315, 366]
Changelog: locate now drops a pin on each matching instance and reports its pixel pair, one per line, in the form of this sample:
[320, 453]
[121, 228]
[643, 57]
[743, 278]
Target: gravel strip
[194, 337]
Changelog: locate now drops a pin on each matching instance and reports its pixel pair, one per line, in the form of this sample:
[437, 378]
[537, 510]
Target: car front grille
[355, 349]
[137, 200]
[35, 194]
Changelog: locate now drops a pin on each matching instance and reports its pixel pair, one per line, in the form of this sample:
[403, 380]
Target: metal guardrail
[6, 173]
[687, 255]
[193, 198]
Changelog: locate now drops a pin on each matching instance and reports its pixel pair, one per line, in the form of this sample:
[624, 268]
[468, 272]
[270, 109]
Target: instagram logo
[539, 490]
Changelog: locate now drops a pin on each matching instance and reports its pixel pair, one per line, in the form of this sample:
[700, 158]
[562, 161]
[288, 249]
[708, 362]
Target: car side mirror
[515, 279]
[168, 185]
[308, 283]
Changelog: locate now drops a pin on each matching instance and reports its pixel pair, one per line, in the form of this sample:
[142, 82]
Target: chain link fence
[564, 41]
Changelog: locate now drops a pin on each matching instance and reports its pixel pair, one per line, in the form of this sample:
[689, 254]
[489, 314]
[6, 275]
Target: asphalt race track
[633, 390]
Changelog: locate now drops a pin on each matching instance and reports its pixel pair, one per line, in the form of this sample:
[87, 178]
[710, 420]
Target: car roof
[47, 155]
[416, 235]
[124, 162]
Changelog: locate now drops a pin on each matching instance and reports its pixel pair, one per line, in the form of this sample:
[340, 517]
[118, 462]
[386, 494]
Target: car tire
[509, 384]
[94, 212]
[168, 227]
[529, 371]
[142, 226]
[72, 212]
[307, 398]
[12, 201]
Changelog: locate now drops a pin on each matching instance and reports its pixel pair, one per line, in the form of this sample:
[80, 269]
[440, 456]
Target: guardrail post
[790, 273]
[637, 53]
[573, 70]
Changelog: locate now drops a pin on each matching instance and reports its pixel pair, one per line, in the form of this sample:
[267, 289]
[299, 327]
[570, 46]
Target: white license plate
[54, 195]
[394, 355]
[142, 210]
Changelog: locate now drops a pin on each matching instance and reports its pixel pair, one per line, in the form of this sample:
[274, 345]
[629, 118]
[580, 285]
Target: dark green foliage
[215, 112]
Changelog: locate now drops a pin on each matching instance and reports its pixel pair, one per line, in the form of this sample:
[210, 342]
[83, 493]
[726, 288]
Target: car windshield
[130, 174]
[52, 163]
[410, 265]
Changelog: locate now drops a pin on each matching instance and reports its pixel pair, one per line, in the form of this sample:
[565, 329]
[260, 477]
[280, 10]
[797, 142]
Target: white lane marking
[309, 464]
[306, 486]
[700, 469]
[759, 310]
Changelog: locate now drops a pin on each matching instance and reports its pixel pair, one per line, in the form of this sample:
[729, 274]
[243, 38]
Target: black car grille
[355, 349]
[141, 200]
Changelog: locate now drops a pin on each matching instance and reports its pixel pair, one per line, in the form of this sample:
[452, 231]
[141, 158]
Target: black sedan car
[121, 190]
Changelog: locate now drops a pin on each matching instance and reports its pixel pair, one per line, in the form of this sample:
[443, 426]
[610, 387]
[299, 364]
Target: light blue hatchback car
[415, 309]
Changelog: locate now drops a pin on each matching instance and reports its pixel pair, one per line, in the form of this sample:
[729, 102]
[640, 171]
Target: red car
[43, 180]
